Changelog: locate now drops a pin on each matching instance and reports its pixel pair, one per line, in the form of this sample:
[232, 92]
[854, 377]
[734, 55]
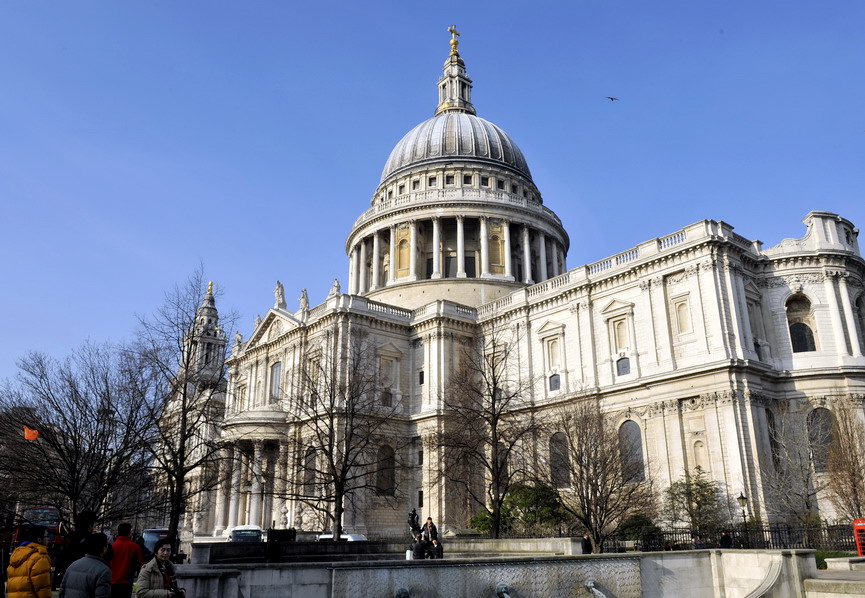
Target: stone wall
[697, 574]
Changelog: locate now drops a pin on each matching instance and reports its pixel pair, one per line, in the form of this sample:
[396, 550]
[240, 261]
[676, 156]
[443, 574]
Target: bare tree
[88, 433]
[698, 502]
[345, 440]
[847, 459]
[791, 481]
[181, 351]
[599, 475]
[489, 425]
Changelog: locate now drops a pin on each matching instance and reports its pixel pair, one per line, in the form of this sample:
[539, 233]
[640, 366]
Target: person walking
[587, 544]
[89, 576]
[157, 578]
[29, 571]
[126, 561]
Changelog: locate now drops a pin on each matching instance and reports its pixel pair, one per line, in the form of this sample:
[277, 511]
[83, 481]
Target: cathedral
[698, 344]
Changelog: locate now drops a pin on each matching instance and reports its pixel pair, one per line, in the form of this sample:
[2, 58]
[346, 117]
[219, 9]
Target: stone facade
[699, 338]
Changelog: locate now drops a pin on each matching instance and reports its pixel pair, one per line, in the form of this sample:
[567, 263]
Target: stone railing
[432, 196]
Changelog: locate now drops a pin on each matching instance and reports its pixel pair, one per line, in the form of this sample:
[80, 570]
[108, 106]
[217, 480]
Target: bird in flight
[612, 99]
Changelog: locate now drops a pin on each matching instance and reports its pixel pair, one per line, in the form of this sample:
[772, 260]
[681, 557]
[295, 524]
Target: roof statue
[279, 295]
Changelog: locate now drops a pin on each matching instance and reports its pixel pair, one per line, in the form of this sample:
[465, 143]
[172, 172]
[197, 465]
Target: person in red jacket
[29, 572]
[125, 562]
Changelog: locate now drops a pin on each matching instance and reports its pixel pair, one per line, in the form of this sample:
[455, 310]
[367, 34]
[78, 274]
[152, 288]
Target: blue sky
[140, 138]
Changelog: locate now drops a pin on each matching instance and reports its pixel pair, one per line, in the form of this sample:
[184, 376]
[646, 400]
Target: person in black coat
[587, 544]
[418, 548]
[726, 540]
[434, 550]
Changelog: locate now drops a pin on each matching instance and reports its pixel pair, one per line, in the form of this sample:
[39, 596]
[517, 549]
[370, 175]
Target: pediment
[616, 306]
[550, 328]
[389, 349]
[276, 323]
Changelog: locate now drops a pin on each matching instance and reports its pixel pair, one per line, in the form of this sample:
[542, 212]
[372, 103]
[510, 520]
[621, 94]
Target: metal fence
[822, 537]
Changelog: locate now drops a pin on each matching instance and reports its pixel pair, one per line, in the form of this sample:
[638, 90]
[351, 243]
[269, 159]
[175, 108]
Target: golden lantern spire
[454, 41]
[210, 288]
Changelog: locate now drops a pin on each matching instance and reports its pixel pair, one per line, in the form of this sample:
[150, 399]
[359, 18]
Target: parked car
[328, 537]
[151, 537]
[245, 533]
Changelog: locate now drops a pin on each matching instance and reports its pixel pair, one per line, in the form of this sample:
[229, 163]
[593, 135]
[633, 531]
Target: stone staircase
[843, 578]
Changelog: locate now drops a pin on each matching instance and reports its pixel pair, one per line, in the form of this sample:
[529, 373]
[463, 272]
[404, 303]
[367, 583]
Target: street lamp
[743, 502]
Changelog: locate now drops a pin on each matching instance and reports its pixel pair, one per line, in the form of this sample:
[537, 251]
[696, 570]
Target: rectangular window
[467, 179]
[420, 378]
[390, 193]
[449, 179]
[415, 185]
[401, 189]
[485, 181]
[514, 189]
[500, 185]
[420, 499]
[433, 181]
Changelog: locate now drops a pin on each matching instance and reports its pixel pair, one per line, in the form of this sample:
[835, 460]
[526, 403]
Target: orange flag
[30, 434]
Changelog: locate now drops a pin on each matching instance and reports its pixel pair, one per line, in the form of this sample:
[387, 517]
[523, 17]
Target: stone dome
[455, 136]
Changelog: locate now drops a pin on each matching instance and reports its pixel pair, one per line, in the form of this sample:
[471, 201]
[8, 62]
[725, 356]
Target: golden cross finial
[210, 288]
[454, 41]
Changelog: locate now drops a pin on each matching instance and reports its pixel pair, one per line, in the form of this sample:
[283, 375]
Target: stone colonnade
[454, 247]
[251, 489]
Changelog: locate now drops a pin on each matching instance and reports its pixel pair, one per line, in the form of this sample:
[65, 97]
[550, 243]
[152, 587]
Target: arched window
[801, 323]
[309, 472]
[631, 452]
[623, 366]
[683, 317]
[403, 257]
[621, 335]
[497, 252]
[553, 353]
[386, 476]
[820, 438]
[560, 461]
[555, 382]
[275, 381]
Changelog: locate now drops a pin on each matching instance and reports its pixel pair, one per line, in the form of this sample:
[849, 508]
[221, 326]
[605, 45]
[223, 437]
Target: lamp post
[743, 502]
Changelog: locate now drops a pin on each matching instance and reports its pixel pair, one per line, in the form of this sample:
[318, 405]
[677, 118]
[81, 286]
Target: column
[391, 271]
[222, 490]
[527, 257]
[485, 248]
[376, 261]
[835, 313]
[738, 348]
[461, 248]
[554, 257]
[437, 248]
[542, 251]
[506, 231]
[848, 315]
[234, 490]
[746, 319]
[363, 270]
[255, 490]
[412, 260]
[352, 274]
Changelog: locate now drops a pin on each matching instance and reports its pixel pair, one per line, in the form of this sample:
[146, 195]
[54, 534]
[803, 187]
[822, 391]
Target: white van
[245, 533]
